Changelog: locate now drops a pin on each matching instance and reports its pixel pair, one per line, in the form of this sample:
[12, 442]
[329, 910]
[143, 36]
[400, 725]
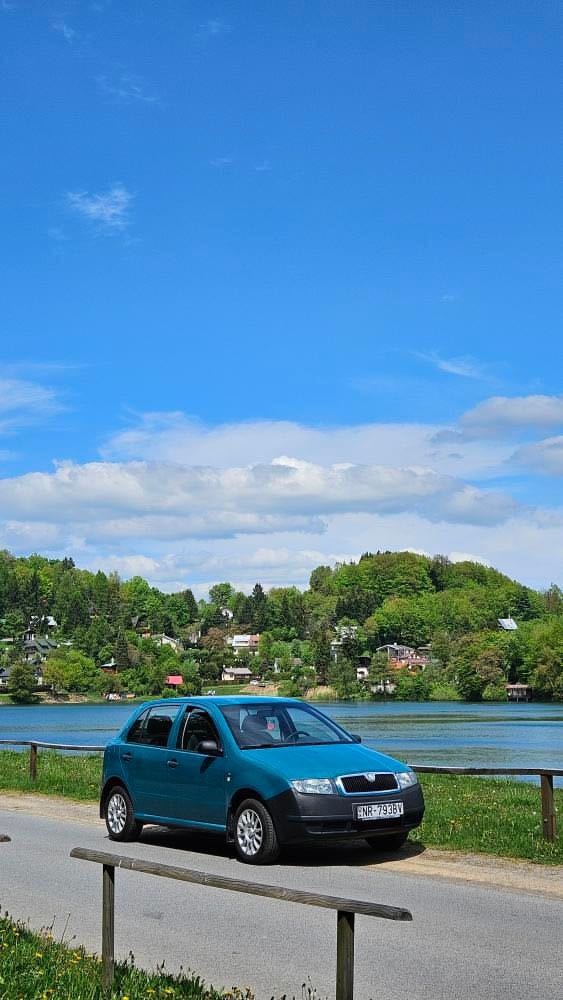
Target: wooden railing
[545, 774]
[346, 909]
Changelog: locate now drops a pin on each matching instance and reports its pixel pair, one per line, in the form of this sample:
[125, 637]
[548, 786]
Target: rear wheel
[389, 842]
[118, 814]
[255, 837]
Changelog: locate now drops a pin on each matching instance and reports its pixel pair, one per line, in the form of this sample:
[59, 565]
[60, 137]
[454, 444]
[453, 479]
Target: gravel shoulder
[482, 869]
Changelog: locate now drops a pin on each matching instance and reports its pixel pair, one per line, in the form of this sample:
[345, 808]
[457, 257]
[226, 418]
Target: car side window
[153, 726]
[196, 727]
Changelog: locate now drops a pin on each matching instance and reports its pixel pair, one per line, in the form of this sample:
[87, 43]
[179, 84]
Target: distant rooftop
[508, 624]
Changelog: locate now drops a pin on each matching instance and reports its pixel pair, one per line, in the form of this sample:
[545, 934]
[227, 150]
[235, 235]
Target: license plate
[380, 810]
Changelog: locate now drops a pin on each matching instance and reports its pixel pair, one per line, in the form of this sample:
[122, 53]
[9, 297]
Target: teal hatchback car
[264, 772]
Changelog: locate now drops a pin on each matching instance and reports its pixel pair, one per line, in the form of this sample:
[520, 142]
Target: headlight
[314, 786]
[406, 778]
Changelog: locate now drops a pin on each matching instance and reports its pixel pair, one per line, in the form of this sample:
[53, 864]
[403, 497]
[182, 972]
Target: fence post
[33, 761]
[108, 925]
[548, 807]
[344, 955]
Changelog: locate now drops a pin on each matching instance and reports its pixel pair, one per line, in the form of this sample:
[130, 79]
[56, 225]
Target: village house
[36, 649]
[174, 680]
[5, 676]
[167, 640]
[243, 643]
[400, 656]
[236, 675]
[518, 692]
[140, 625]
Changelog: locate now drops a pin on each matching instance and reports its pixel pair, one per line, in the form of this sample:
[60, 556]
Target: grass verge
[478, 815]
[37, 967]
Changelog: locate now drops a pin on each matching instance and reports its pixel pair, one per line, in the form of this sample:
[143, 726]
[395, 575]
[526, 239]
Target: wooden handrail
[346, 908]
[545, 774]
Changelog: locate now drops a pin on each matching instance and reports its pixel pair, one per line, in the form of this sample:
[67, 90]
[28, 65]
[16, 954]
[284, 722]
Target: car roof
[224, 699]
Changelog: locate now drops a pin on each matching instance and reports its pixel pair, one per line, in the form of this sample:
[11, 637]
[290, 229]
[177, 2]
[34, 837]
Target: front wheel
[389, 842]
[119, 816]
[256, 841]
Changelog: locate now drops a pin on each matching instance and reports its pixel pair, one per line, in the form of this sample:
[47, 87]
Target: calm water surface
[503, 735]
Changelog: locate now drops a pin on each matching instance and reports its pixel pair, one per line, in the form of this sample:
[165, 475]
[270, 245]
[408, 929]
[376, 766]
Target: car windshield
[265, 726]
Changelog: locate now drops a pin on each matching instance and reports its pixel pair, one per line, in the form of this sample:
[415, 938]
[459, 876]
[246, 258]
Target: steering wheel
[294, 736]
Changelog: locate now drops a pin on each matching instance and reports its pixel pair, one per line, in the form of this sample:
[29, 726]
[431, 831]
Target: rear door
[144, 759]
[196, 782]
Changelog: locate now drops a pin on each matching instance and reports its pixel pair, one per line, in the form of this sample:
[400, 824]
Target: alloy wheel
[117, 813]
[250, 832]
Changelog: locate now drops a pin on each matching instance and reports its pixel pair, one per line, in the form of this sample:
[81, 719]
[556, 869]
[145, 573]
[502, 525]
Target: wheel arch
[239, 796]
[113, 782]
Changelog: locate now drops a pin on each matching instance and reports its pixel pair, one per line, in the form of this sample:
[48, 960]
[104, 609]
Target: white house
[238, 675]
[245, 642]
[167, 640]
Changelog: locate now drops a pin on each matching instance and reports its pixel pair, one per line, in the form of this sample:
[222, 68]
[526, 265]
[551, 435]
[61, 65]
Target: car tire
[388, 842]
[255, 837]
[119, 816]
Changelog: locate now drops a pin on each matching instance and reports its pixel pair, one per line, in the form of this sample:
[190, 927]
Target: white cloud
[466, 366]
[188, 504]
[109, 210]
[502, 415]
[23, 402]
[126, 88]
[219, 162]
[172, 437]
[69, 34]
[212, 28]
[542, 456]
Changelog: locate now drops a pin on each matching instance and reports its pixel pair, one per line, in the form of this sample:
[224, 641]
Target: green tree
[22, 684]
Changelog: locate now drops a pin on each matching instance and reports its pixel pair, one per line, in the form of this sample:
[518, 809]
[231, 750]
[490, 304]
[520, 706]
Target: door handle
[171, 763]
[127, 756]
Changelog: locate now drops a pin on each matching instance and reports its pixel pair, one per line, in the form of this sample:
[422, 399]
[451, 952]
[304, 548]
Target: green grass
[38, 967]
[75, 777]
[462, 813]
[487, 816]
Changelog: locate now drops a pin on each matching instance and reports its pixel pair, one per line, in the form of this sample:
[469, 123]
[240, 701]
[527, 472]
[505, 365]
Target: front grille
[357, 783]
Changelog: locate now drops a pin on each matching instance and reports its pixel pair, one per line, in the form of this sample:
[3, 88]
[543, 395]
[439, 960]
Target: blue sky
[281, 283]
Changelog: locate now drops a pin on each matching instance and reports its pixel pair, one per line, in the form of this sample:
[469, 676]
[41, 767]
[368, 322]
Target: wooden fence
[546, 775]
[346, 909]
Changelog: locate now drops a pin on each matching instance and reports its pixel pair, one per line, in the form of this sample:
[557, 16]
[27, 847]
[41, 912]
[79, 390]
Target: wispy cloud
[466, 366]
[109, 210]
[211, 29]
[263, 167]
[126, 88]
[221, 161]
[23, 402]
[69, 34]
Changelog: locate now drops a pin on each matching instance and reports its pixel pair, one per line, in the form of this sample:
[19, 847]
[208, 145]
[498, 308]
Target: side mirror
[209, 748]
[356, 738]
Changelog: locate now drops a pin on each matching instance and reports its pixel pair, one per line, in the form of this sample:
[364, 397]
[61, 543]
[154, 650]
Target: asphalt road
[466, 940]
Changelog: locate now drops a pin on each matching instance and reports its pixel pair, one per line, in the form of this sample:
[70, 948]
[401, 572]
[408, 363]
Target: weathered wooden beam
[108, 927]
[430, 769]
[549, 821]
[237, 885]
[33, 762]
[344, 955]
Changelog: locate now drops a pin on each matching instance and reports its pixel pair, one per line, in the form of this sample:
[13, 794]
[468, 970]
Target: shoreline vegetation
[463, 813]
[391, 626]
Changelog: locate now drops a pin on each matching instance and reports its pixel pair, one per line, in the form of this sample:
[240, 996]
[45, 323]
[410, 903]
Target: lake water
[446, 733]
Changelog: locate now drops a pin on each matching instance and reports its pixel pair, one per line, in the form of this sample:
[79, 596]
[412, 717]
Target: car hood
[325, 761]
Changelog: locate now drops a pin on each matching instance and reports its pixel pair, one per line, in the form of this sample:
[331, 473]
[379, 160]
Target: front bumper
[299, 818]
